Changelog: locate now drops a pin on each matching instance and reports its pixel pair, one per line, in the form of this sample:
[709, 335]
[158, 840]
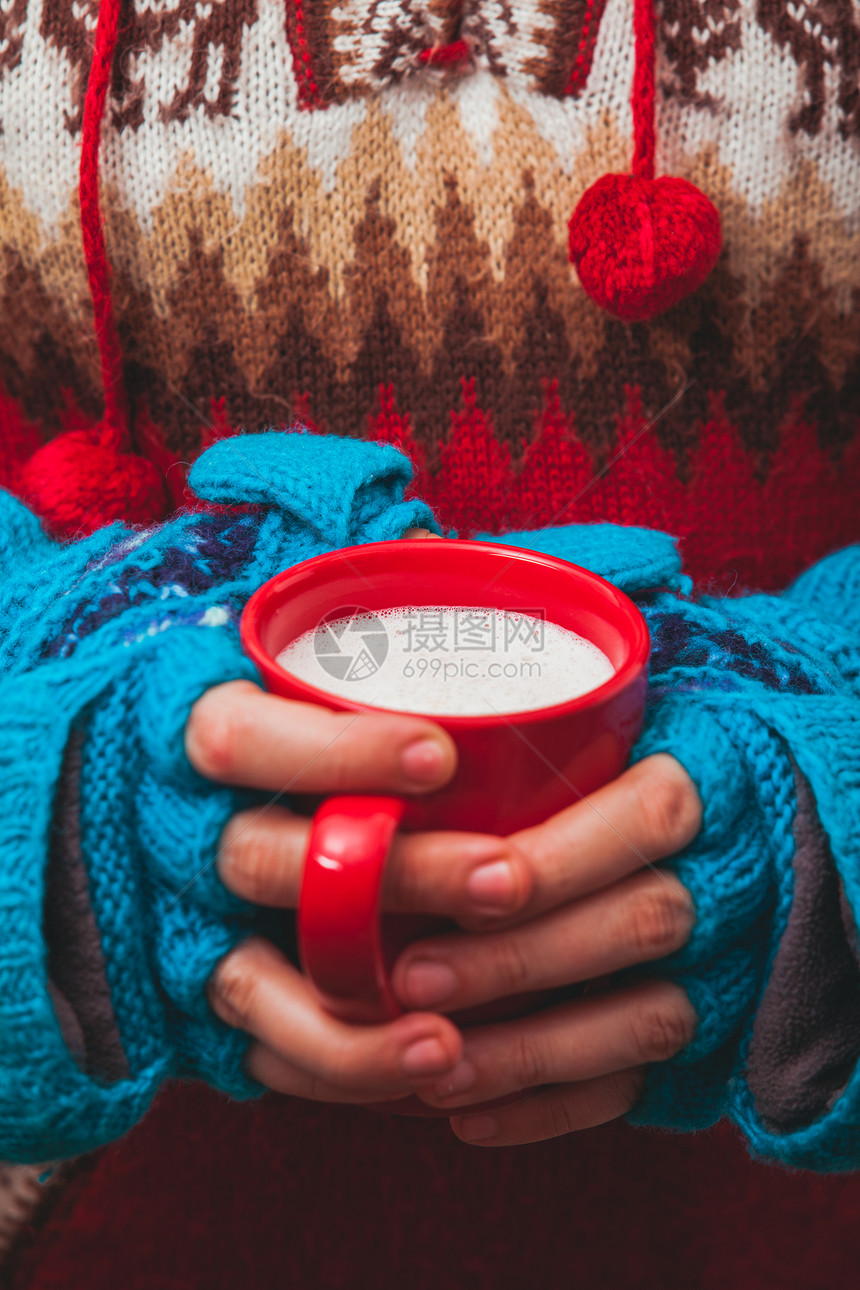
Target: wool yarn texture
[642, 245]
[106, 644]
[297, 226]
[89, 477]
[356, 217]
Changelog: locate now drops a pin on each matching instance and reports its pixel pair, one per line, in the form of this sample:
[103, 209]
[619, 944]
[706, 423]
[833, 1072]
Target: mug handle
[342, 945]
[339, 924]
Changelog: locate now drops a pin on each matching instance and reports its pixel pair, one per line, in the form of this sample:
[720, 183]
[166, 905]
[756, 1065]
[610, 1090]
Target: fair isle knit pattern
[115, 636]
[310, 212]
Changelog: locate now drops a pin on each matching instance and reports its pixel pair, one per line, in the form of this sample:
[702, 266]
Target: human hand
[589, 904]
[480, 881]
[241, 736]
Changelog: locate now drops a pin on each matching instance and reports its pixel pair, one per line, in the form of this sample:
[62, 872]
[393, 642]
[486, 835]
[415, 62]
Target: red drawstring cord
[643, 89]
[641, 244]
[114, 433]
[89, 476]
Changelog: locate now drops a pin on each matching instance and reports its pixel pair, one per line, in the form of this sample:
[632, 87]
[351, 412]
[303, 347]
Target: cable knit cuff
[772, 967]
[757, 699]
[164, 916]
[633, 559]
[49, 1107]
[112, 915]
[738, 873]
[340, 492]
[153, 913]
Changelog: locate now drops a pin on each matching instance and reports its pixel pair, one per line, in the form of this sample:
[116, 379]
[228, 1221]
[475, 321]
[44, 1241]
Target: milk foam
[447, 661]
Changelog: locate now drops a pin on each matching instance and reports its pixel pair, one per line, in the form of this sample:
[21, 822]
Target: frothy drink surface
[447, 661]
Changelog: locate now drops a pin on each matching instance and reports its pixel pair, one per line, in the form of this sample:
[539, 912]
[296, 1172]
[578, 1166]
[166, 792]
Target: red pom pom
[76, 484]
[641, 245]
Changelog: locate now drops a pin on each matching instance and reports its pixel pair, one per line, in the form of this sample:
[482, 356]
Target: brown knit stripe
[493, 192]
[477, 286]
[492, 189]
[758, 359]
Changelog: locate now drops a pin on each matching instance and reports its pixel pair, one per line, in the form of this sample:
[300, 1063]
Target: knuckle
[249, 860]
[338, 1067]
[343, 758]
[625, 1088]
[661, 1031]
[211, 735]
[527, 1065]
[404, 885]
[511, 967]
[561, 1121]
[235, 987]
[669, 805]
[316, 1089]
[658, 921]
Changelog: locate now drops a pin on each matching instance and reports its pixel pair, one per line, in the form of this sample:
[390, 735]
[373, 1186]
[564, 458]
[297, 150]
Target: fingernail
[423, 760]
[477, 1128]
[428, 984]
[492, 886]
[425, 1057]
[459, 1080]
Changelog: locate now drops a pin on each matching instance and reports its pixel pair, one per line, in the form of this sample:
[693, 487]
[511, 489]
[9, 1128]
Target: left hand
[596, 906]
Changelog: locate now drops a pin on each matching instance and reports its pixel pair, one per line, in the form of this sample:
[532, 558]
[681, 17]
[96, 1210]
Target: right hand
[239, 735]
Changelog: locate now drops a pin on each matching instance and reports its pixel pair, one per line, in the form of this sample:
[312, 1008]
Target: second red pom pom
[75, 484]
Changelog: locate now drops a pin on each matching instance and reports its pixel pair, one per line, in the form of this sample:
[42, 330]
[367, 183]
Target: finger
[650, 812]
[553, 1112]
[264, 1065]
[256, 989]
[572, 1043]
[470, 877]
[421, 533]
[239, 735]
[640, 919]
[474, 878]
[261, 855]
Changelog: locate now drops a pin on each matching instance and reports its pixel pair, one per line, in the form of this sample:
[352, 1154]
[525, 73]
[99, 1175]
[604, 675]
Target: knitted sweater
[357, 214]
[108, 642]
[308, 212]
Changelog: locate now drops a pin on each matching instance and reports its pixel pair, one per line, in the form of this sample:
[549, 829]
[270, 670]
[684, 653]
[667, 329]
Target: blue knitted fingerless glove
[108, 838]
[759, 698]
[111, 913]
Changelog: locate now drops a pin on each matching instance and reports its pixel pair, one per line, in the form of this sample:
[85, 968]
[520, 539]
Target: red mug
[514, 770]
